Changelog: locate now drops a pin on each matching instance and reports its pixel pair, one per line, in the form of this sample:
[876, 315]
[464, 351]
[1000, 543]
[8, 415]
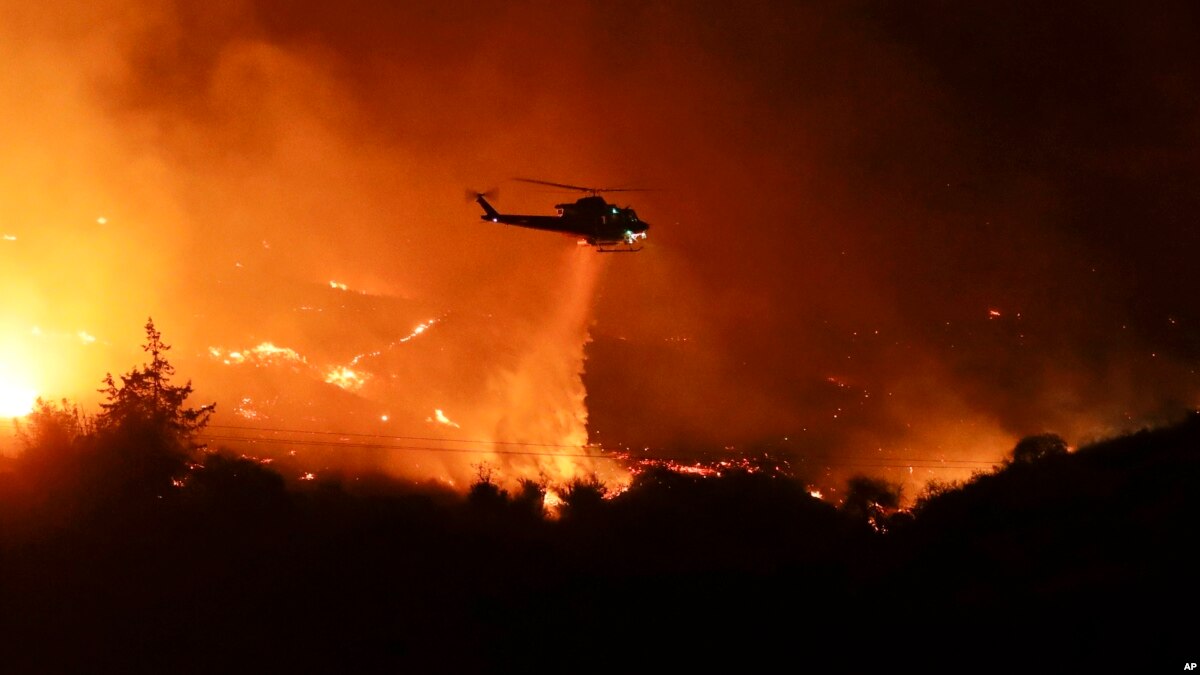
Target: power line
[880, 463]
[382, 446]
[626, 455]
[904, 460]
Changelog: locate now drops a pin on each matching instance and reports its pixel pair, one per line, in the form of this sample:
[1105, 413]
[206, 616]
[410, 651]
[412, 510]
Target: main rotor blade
[557, 185]
[580, 188]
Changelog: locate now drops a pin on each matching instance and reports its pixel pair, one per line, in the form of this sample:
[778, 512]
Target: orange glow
[18, 370]
[16, 400]
[245, 187]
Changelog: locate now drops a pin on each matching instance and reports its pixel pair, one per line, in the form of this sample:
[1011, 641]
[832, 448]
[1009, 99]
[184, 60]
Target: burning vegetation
[190, 544]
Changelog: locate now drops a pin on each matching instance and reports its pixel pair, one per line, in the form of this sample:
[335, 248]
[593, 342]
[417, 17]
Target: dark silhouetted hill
[1071, 558]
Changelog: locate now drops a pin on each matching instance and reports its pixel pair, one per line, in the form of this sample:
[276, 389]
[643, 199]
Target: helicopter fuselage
[590, 218]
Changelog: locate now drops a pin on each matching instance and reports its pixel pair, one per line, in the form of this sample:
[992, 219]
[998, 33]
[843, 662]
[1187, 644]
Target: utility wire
[862, 463]
[905, 460]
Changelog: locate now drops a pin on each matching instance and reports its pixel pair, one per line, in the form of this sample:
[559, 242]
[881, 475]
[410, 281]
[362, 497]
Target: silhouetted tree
[145, 433]
[146, 397]
[1038, 447]
[485, 494]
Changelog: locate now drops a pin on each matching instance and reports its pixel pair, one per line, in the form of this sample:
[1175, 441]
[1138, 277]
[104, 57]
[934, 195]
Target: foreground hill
[1074, 557]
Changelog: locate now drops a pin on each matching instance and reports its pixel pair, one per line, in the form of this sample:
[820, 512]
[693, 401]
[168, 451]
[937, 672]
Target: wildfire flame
[552, 503]
[16, 400]
[345, 378]
[421, 328]
[264, 353]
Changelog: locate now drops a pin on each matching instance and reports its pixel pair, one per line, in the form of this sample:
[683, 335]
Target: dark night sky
[845, 191]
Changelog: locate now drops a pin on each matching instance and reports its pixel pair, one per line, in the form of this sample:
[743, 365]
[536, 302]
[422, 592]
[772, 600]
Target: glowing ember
[245, 411]
[308, 476]
[10, 237]
[815, 494]
[440, 418]
[86, 338]
[337, 286]
[345, 378]
[102, 220]
[993, 313]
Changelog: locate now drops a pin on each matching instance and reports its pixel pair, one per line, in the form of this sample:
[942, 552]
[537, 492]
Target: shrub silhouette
[530, 500]
[485, 494]
[583, 496]
[50, 436]
[1036, 448]
[236, 486]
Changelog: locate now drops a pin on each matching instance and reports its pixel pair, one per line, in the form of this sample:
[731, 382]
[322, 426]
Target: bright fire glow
[337, 286]
[552, 503]
[16, 400]
[264, 353]
[345, 378]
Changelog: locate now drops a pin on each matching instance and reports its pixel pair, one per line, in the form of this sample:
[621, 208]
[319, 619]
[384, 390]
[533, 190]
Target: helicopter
[607, 227]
